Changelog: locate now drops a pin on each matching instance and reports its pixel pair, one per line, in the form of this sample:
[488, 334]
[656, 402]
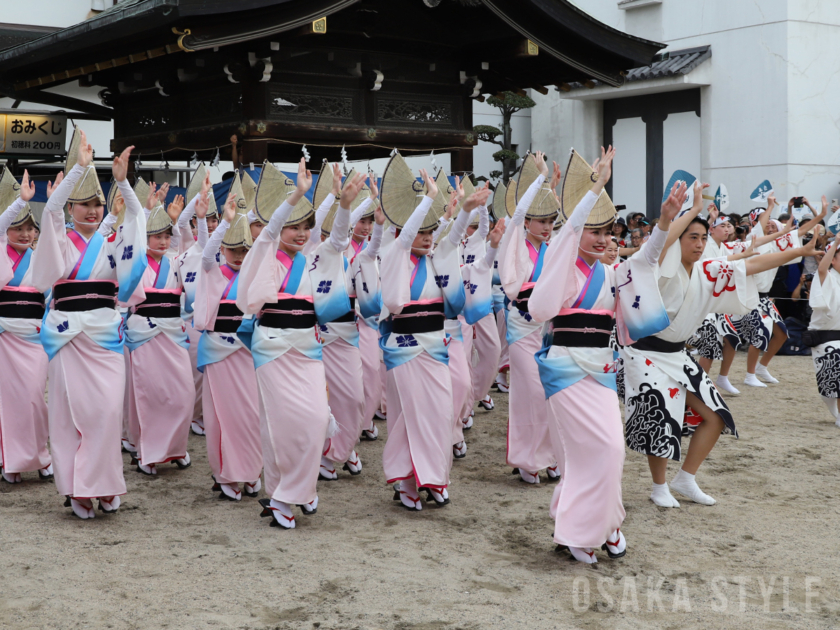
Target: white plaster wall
[629, 182]
[772, 110]
[681, 144]
[559, 126]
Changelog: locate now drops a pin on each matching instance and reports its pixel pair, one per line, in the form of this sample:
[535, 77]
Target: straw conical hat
[272, 190]
[87, 187]
[239, 201]
[497, 207]
[9, 191]
[401, 193]
[195, 188]
[158, 221]
[469, 189]
[364, 193]
[544, 204]
[249, 189]
[510, 198]
[239, 232]
[578, 182]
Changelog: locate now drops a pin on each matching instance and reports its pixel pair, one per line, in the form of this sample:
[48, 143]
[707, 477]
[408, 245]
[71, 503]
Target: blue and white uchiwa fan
[722, 198]
[762, 192]
[833, 223]
[681, 176]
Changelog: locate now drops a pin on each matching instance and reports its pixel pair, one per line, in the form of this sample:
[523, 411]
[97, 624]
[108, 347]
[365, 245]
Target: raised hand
[51, 187]
[459, 189]
[230, 208]
[351, 190]
[539, 158]
[604, 165]
[714, 213]
[151, 199]
[304, 179]
[699, 187]
[374, 189]
[497, 233]
[824, 209]
[202, 204]
[431, 185]
[674, 203]
[85, 150]
[120, 165]
[771, 201]
[175, 208]
[478, 198]
[451, 205]
[556, 176]
[336, 186]
[27, 188]
[206, 185]
[162, 192]
[378, 215]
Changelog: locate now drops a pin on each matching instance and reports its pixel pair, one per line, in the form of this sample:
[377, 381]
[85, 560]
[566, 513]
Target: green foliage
[487, 133]
[495, 174]
[512, 101]
[505, 154]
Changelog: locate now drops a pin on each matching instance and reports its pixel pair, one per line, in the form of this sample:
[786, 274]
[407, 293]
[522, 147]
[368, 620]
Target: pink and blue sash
[294, 271]
[358, 247]
[232, 285]
[592, 287]
[20, 265]
[536, 259]
[88, 253]
[418, 277]
[161, 270]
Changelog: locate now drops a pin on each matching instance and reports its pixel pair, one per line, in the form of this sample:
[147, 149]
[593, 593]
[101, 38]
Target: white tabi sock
[831, 403]
[662, 497]
[283, 514]
[752, 381]
[723, 384]
[686, 485]
[762, 373]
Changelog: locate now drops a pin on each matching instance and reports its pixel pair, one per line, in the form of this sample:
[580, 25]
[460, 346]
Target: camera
[798, 202]
[809, 277]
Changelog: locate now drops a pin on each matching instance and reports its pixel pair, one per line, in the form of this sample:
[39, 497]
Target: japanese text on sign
[33, 133]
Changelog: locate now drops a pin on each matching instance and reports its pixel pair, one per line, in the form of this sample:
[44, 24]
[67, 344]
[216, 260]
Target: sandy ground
[177, 557]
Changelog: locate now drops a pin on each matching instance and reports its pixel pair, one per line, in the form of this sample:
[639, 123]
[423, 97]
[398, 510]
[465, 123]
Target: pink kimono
[231, 398]
[290, 297]
[419, 294]
[24, 429]
[83, 338]
[520, 265]
[577, 372]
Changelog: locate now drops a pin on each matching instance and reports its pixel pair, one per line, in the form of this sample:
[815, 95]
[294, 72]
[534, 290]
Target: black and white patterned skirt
[708, 338]
[826, 358]
[756, 327]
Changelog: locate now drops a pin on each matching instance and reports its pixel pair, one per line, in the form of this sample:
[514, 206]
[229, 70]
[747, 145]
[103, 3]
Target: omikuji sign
[32, 133]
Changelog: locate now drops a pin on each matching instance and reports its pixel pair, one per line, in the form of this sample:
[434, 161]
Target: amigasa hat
[578, 181]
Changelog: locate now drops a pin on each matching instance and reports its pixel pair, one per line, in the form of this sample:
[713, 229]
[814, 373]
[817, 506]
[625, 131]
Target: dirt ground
[175, 556]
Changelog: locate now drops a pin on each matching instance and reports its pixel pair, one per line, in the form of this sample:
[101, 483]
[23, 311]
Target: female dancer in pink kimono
[159, 372]
[230, 400]
[292, 293]
[581, 297]
[419, 292]
[81, 331]
[24, 428]
[528, 443]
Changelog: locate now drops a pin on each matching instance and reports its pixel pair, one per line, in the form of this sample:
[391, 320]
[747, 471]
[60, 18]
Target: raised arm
[27, 191]
[471, 203]
[211, 249]
[372, 250]
[133, 207]
[678, 194]
[825, 263]
[340, 233]
[528, 198]
[757, 264]
[495, 239]
[483, 222]
[323, 210]
[202, 205]
[412, 226]
[281, 215]
[812, 223]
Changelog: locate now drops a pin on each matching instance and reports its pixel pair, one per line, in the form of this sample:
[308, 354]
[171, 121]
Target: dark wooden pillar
[461, 161]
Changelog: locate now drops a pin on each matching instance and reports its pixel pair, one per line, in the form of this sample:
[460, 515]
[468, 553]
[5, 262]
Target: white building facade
[745, 91]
